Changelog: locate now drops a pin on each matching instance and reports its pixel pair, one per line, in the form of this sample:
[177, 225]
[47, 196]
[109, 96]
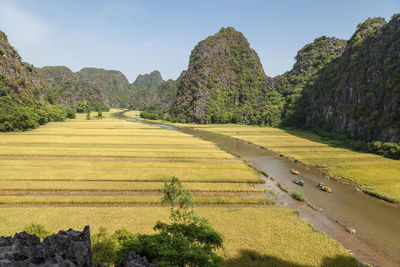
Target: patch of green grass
[298, 196]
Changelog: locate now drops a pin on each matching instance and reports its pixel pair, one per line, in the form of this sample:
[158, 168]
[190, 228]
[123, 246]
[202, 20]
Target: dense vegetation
[112, 84]
[69, 88]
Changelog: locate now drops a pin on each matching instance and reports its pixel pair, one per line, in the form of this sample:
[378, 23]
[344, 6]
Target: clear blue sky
[137, 37]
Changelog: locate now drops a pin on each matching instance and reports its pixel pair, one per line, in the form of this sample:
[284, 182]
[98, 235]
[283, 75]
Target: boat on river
[324, 187]
[295, 172]
[299, 181]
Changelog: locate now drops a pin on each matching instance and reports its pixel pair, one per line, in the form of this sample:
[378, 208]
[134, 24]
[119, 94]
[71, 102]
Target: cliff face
[309, 60]
[152, 90]
[359, 92]
[69, 88]
[224, 78]
[22, 79]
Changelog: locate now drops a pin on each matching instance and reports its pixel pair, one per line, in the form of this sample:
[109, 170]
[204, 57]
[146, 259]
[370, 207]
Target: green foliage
[342, 139]
[99, 115]
[187, 241]
[69, 112]
[88, 115]
[298, 195]
[81, 107]
[152, 112]
[179, 200]
[104, 245]
[37, 229]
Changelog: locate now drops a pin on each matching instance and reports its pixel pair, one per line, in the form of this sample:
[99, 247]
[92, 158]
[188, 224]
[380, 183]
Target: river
[377, 223]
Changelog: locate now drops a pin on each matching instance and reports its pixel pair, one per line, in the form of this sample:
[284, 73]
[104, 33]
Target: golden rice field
[368, 170]
[109, 173]
[252, 236]
[112, 161]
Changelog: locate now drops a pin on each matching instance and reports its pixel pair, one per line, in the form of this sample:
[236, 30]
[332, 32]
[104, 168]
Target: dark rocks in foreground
[66, 249]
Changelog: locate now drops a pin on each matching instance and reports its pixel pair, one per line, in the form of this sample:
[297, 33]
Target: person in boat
[320, 184]
[299, 181]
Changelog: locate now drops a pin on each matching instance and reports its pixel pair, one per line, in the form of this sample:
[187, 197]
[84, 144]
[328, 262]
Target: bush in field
[186, 241]
[37, 229]
[81, 107]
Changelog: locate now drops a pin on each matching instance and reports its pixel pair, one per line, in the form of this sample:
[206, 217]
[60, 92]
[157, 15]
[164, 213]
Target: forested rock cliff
[359, 92]
[25, 97]
[225, 82]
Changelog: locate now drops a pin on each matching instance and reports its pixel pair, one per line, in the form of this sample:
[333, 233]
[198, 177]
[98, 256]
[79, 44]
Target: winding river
[377, 223]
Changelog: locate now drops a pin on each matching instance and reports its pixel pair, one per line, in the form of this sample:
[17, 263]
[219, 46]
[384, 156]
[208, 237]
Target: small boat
[298, 181]
[293, 171]
[324, 187]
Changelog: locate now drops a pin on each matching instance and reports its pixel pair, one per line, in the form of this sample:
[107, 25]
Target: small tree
[81, 107]
[187, 241]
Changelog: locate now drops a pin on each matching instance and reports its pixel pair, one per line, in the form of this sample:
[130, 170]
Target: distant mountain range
[350, 86]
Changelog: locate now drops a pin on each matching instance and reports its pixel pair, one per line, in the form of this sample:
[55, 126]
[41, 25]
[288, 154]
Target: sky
[139, 36]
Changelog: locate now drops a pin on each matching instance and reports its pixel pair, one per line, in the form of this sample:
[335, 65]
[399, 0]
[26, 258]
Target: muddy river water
[377, 223]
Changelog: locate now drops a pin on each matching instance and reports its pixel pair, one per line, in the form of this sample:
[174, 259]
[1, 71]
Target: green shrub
[298, 195]
[37, 229]
[81, 107]
[69, 112]
[103, 247]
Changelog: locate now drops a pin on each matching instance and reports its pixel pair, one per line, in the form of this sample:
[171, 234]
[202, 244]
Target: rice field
[368, 170]
[252, 236]
[109, 173]
[79, 160]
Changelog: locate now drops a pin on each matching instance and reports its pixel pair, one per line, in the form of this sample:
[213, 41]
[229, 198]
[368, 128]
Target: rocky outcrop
[134, 260]
[224, 78]
[22, 78]
[67, 248]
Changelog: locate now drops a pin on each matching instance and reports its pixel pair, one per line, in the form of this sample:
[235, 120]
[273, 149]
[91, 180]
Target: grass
[298, 196]
[252, 237]
[380, 174]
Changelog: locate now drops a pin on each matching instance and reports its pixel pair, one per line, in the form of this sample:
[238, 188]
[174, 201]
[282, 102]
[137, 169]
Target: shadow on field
[251, 258]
